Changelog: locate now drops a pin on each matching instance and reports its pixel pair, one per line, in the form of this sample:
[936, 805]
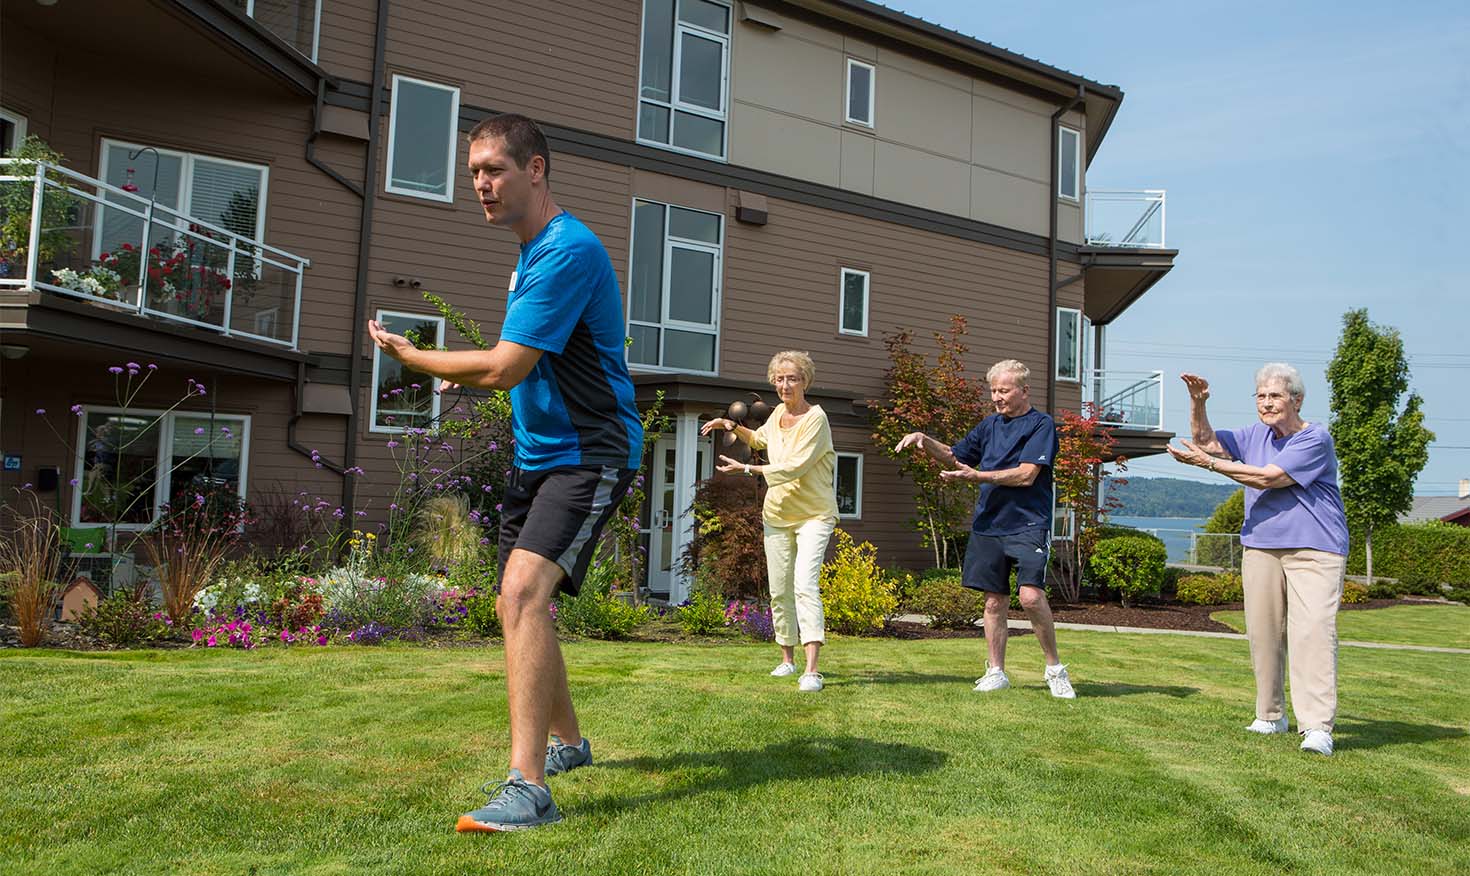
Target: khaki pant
[1291, 600]
[794, 564]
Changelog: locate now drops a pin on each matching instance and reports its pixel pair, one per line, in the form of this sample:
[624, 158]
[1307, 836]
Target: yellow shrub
[856, 595]
[1353, 593]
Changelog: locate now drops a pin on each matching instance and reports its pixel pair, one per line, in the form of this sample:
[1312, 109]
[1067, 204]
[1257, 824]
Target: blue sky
[1314, 155]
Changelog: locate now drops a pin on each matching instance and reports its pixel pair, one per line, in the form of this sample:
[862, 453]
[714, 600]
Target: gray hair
[1283, 372]
[1010, 366]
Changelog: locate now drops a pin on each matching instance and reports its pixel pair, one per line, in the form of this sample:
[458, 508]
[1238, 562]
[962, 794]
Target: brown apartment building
[766, 175]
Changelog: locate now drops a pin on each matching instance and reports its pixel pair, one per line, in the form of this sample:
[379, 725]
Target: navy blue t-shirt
[576, 406]
[999, 443]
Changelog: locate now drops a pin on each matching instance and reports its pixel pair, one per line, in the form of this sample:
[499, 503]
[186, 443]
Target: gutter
[1051, 250]
[365, 233]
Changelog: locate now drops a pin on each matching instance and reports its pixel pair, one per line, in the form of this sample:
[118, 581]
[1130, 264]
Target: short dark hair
[521, 136]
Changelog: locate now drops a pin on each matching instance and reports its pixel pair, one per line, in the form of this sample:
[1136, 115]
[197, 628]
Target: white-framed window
[849, 484]
[1069, 163]
[852, 317]
[684, 74]
[298, 22]
[130, 463]
[674, 288]
[404, 398]
[12, 131]
[422, 139]
[1069, 344]
[1063, 521]
[862, 83]
[226, 193]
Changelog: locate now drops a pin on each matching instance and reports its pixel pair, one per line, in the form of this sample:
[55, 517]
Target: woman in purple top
[1296, 542]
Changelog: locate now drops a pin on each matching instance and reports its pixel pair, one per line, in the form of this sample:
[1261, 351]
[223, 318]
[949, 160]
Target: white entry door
[666, 516]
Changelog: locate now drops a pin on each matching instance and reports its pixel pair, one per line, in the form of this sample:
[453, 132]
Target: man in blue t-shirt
[579, 442]
[1010, 455]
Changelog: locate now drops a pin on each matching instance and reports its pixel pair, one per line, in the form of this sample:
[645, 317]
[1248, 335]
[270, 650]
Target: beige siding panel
[1009, 200]
[922, 113]
[765, 65]
[784, 144]
[1011, 140]
[913, 176]
[683, 192]
[856, 48]
[858, 163]
[1069, 221]
[942, 76]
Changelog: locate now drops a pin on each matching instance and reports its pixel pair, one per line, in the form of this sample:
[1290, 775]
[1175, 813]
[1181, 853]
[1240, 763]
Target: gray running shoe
[563, 758]
[515, 804]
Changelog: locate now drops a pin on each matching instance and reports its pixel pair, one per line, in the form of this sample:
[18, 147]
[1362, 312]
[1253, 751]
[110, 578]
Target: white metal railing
[100, 243]
[1126, 399]
[1125, 217]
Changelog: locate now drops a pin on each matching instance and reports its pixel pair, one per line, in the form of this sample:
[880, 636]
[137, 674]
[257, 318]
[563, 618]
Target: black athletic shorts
[559, 513]
[990, 558]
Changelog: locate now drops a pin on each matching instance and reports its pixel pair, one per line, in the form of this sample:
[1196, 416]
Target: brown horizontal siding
[345, 45]
[26, 66]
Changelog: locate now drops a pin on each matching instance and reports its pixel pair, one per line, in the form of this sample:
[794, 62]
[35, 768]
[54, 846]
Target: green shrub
[1227, 519]
[727, 556]
[1414, 581]
[1354, 593]
[857, 597]
[1172, 576]
[480, 615]
[1420, 553]
[600, 615]
[1209, 589]
[703, 615]
[124, 620]
[1383, 588]
[1131, 565]
[1458, 594]
[949, 604]
[905, 585]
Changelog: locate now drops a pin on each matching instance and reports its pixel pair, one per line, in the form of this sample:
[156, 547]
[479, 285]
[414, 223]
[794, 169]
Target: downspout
[1051, 267]
[316, 129]
[365, 233]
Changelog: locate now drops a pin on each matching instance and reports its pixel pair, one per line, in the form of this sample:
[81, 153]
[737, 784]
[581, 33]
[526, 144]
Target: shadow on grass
[794, 760]
[899, 678]
[1369, 733]
[1113, 689]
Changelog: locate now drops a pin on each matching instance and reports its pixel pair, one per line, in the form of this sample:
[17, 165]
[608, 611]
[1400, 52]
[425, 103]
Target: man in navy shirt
[579, 442]
[1010, 455]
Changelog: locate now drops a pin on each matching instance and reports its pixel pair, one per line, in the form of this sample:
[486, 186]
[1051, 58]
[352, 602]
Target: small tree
[944, 402]
[1084, 445]
[1380, 451]
[1227, 519]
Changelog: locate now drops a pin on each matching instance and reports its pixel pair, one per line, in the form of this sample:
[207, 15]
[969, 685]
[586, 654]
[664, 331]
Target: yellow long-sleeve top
[801, 470]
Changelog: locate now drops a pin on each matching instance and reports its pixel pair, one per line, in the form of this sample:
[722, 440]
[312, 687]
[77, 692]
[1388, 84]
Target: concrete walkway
[1016, 624]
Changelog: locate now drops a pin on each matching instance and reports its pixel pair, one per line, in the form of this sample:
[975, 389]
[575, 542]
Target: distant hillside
[1170, 497]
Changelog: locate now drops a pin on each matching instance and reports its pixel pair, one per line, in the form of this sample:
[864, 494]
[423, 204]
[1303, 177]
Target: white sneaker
[1317, 741]
[810, 682]
[1264, 727]
[784, 669]
[1060, 684]
[993, 679]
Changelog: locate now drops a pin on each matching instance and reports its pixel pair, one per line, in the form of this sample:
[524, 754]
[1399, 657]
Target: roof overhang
[54, 325]
[1101, 101]
[1118, 276]
[1136, 443]
[687, 391]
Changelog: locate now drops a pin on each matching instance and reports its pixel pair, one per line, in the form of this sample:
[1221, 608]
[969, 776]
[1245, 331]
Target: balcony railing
[1127, 399]
[100, 243]
[297, 22]
[1125, 217]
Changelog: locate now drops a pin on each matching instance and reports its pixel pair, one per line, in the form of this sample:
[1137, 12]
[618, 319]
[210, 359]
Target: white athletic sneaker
[1318, 742]
[784, 669]
[1060, 684]
[1264, 727]
[993, 679]
[810, 682]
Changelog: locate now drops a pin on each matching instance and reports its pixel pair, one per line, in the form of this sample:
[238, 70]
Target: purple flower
[486, 488]
[134, 366]
[392, 444]
[76, 409]
[198, 500]
[73, 482]
[41, 411]
[338, 514]
[499, 506]
[152, 367]
[115, 369]
[360, 513]
[198, 430]
[90, 545]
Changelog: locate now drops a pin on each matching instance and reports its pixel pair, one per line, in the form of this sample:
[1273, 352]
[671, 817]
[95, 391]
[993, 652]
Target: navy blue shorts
[559, 514]
[990, 558]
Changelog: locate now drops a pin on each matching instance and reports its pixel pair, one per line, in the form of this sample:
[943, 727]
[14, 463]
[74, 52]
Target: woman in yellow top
[800, 509]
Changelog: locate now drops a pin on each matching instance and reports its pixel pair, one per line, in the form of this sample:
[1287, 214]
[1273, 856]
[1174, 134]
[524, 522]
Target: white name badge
[513, 275]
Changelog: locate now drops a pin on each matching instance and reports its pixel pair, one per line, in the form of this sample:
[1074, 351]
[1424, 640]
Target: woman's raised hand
[1199, 388]
[716, 423]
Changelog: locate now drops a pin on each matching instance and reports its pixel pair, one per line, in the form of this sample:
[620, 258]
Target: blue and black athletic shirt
[999, 443]
[576, 406]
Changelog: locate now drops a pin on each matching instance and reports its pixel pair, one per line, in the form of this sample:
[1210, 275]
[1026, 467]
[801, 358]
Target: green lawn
[1443, 626]
[357, 760]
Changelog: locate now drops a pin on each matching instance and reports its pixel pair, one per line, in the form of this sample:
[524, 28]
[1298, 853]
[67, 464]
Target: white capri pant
[794, 565]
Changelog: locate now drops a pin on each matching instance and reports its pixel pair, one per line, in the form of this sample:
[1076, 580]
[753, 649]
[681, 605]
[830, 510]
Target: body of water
[1173, 530]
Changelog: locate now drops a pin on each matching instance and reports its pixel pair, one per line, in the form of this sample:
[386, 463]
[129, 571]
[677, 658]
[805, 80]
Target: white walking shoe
[1266, 728]
[784, 669]
[810, 682]
[1060, 684]
[1318, 742]
[993, 679]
